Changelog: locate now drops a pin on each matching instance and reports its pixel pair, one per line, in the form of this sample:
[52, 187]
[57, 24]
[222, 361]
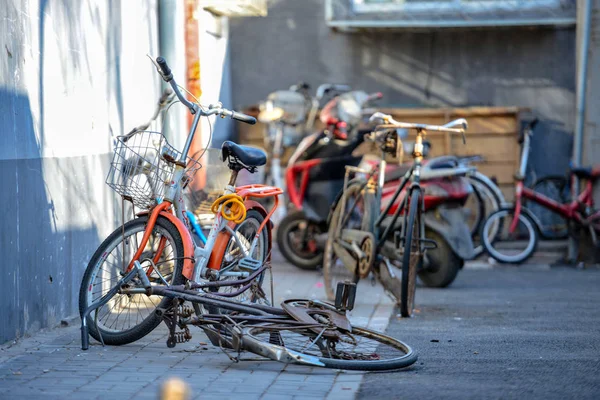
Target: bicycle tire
[488, 244]
[551, 224]
[105, 333]
[410, 261]
[255, 219]
[330, 267]
[302, 258]
[259, 340]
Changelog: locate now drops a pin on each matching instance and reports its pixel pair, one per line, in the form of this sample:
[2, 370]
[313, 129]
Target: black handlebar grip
[166, 71]
[243, 118]
[533, 123]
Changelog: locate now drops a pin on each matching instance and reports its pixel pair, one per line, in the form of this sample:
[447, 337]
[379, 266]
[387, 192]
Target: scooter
[315, 177]
[289, 115]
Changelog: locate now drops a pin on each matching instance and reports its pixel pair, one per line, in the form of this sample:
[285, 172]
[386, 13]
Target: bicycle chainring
[365, 264]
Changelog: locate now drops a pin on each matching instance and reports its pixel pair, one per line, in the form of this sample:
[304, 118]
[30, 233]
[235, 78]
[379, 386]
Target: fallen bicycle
[307, 332]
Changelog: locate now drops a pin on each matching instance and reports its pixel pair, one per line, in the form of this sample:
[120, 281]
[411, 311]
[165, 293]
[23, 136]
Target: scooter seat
[442, 162]
[245, 155]
[587, 172]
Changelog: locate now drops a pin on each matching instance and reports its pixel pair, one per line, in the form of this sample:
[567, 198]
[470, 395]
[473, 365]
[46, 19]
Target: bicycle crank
[366, 262]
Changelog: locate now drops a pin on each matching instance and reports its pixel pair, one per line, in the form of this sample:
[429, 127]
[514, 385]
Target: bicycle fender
[255, 205]
[218, 250]
[450, 224]
[188, 243]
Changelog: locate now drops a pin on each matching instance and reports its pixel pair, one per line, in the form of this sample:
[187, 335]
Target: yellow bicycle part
[233, 207]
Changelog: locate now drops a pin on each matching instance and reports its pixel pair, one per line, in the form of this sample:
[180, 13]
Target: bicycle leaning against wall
[152, 174]
[519, 228]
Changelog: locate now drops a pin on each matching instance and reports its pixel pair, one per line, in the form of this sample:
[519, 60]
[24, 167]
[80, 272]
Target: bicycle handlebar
[167, 75]
[533, 123]
[390, 123]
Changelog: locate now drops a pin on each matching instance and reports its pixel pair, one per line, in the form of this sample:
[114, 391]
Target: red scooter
[315, 177]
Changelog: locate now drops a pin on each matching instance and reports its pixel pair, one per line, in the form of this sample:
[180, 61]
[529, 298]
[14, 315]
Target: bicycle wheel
[557, 188]
[510, 247]
[127, 318]
[412, 257]
[334, 270]
[238, 247]
[361, 349]
[486, 199]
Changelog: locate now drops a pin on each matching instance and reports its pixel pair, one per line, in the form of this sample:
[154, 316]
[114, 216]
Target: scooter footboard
[451, 224]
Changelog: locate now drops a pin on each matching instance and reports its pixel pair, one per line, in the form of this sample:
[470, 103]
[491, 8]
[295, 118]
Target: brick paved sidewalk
[52, 365]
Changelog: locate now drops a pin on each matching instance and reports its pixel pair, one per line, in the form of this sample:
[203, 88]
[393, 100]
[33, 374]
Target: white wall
[73, 75]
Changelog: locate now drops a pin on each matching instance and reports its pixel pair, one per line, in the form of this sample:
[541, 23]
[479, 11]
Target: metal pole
[581, 85]
[580, 107]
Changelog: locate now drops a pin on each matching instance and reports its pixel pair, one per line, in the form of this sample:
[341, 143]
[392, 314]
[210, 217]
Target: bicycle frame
[196, 258]
[412, 175]
[569, 211]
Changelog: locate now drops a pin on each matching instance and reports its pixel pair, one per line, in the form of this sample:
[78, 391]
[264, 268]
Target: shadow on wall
[44, 242]
[533, 68]
[40, 263]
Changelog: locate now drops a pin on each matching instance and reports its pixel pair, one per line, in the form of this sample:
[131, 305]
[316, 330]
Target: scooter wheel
[303, 253]
[442, 264]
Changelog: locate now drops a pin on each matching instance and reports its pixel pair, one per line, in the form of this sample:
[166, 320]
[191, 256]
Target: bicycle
[305, 332]
[518, 225]
[357, 234]
[151, 174]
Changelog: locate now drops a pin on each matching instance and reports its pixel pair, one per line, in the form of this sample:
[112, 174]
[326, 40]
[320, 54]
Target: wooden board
[492, 133]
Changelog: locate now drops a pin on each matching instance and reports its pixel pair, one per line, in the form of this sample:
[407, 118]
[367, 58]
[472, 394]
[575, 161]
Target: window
[449, 13]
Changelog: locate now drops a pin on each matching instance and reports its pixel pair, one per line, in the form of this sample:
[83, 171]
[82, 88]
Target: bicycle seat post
[233, 177]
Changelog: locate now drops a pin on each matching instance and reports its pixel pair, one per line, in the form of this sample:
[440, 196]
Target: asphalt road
[498, 334]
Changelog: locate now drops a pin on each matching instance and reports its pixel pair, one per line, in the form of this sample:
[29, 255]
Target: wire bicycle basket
[140, 170]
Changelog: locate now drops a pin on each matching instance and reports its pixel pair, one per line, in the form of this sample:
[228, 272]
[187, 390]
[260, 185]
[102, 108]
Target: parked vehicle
[152, 174]
[485, 199]
[315, 175]
[289, 116]
[520, 228]
[372, 227]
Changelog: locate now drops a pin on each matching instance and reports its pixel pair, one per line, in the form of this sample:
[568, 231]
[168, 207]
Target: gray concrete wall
[496, 67]
[73, 75]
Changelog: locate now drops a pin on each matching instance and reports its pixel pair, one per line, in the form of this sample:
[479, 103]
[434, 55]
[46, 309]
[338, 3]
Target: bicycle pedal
[276, 339]
[345, 295]
[249, 263]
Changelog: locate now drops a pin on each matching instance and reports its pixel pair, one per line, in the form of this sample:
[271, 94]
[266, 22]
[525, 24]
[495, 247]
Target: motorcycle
[315, 177]
[288, 116]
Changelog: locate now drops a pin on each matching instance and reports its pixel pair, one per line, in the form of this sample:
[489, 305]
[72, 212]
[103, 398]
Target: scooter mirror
[270, 113]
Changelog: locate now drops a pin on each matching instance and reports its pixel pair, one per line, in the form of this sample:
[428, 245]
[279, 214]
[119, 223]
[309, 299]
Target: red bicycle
[519, 228]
